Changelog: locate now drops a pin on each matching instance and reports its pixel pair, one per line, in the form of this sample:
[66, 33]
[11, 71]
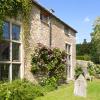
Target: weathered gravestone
[80, 86]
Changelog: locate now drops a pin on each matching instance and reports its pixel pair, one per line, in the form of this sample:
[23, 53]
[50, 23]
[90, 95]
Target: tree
[96, 41]
[84, 48]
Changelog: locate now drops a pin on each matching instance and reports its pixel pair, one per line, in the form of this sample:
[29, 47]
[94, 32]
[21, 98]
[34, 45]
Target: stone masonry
[40, 33]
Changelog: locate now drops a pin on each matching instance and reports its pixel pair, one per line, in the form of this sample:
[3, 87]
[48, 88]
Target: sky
[80, 14]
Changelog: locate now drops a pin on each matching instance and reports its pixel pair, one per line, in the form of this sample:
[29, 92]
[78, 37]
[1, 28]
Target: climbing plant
[49, 62]
[12, 8]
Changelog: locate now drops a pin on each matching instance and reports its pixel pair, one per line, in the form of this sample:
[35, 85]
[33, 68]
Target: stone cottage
[45, 28]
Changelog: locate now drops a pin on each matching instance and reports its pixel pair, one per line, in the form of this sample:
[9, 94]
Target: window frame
[45, 19]
[11, 41]
[66, 31]
[69, 55]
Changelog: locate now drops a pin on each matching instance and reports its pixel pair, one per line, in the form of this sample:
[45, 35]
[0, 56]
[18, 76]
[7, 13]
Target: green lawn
[66, 92]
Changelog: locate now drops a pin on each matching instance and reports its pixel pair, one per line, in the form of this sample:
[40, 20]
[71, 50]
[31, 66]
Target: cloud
[86, 19]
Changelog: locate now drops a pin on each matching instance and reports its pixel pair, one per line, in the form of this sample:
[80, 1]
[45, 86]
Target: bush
[97, 69]
[91, 69]
[85, 57]
[49, 84]
[94, 70]
[80, 57]
[20, 90]
[49, 63]
[78, 71]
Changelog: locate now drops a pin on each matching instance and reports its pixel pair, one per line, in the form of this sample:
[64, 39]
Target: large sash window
[10, 51]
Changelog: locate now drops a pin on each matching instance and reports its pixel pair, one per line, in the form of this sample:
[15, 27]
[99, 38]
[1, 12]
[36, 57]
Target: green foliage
[83, 49]
[49, 84]
[14, 8]
[97, 69]
[91, 69]
[96, 42]
[80, 57]
[1, 25]
[20, 90]
[85, 57]
[94, 70]
[49, 62]
[93, 92]
[78, 71]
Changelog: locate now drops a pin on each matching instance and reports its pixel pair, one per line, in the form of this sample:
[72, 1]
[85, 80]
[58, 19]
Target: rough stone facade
[40, 33]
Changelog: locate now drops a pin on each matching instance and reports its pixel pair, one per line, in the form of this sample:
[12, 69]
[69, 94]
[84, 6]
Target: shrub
[94, 70]
[84, 57]
[91, 69]
[50, 63]
[20, 90]
[80, 57]
[97, 71]
[78, 71]
[49, 84]
[87, 57]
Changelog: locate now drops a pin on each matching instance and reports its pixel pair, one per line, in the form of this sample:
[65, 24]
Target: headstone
[80, 86]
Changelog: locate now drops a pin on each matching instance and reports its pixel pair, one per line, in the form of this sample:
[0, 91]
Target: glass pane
[4, 72]
[15, 71]
[15, 32]
[15, 51]
[68, 48]
[6, 30]
[4, 51]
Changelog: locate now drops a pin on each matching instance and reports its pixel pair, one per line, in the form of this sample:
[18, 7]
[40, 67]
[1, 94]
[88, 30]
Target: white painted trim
[22, 69]
[71, 70]
[21, 62]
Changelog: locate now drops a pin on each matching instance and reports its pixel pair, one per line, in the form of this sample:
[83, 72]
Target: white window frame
[69, 74]
[21, 62]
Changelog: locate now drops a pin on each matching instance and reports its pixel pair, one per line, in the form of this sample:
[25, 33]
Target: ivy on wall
[12, 8]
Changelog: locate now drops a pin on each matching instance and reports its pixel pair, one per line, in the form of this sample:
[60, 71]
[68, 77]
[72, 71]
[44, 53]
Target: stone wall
[40, 33]
[83, 63]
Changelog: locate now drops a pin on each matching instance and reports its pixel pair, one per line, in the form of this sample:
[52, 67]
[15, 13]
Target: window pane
[44, 18]
[4, 51]
[4, 72]
[69, 71]
[15, 71]
[6, 30]
[15, 51]
[68, 48]
[15, 32]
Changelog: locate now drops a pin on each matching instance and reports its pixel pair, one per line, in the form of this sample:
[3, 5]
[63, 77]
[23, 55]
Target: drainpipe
[50, 28]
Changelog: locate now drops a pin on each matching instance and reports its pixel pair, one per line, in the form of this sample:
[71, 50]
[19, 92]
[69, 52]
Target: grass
[65, 92]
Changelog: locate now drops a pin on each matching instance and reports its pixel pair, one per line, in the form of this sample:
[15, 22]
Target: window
[10, 49]
[4, 72]
[68, 50]
[66, 31]
[15, 32]
[15, 52]
[4, 51]
[44, 18]
[6, 30]
[16, 71]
